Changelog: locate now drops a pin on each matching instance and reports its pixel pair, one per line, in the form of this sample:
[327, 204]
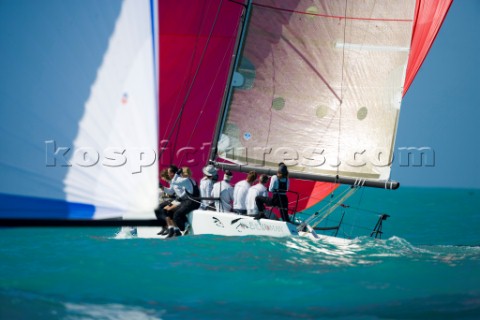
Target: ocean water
[426, 266]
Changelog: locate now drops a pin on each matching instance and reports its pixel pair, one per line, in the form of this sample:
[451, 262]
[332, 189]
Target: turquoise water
[426, 266]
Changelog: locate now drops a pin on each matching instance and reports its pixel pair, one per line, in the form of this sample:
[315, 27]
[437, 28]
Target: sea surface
[426, 266]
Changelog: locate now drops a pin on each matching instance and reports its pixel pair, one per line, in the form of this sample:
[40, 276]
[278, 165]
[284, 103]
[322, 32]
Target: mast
[228, 96]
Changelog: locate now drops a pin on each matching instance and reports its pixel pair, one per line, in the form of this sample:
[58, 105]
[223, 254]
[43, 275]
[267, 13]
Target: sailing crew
[258, 190]
[162, 196]
[185, 189]
[206, 187]
[240, 193]
[166, 199]
[223, 190]
[279, 185]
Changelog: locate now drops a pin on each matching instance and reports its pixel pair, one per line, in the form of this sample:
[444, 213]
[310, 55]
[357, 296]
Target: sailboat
[126, 87]
[317, 86]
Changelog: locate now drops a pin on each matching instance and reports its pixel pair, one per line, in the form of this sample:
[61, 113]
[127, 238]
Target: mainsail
[320, 85]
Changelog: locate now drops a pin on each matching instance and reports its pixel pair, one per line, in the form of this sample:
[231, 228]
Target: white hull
[230, 224]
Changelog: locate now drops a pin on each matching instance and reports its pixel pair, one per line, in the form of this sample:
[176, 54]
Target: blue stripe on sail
[154, 36]
[12, 206]
[152, 20]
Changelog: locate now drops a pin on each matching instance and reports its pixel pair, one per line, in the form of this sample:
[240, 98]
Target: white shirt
[206, 186]
[224, 191]
[179, 185]
[240, 195]
[254, 191]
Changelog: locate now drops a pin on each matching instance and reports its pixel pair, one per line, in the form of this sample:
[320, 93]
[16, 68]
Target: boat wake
[126, 233]
[341, 252]
[365, 251]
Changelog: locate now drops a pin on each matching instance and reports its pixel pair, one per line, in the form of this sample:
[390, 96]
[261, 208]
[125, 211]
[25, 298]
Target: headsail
[322, 87]
[78, 109]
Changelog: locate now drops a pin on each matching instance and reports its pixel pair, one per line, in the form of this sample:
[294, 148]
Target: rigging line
[365, 32]
[333, 200]
[228, 92]
[312, 195]
[205, 102]
[312, 67]
[333, 187]
[358, 183]
[178, 124]
[335, 206]
[174, 126]
[341, 89]
[366, 210]
[236, 2]
[329, 204]
[354, 62]
[332, 16]
[179, 116]
[324, 212]
[273, 97]
[361, 197]
[356, 227]
[301, 199]
[309, 64]
[359, 201]
[377, 213]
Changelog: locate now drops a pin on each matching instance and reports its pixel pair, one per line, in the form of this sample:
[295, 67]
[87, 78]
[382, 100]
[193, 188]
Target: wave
[298, 250]
[365, 250]
[48, 306]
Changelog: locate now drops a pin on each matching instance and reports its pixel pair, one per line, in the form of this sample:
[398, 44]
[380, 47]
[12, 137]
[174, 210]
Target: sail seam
[333, 16]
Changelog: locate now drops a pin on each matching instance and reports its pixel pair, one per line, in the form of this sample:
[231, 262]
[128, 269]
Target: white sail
[122, 99]
[80, 90]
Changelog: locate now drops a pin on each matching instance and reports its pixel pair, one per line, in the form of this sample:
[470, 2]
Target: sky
[441, 110]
